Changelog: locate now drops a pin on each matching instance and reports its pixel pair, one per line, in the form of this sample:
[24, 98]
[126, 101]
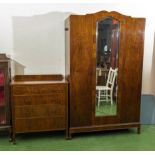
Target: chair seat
[105, 93]
[102, 88]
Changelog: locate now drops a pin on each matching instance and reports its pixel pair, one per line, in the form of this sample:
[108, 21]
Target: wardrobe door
[132, 70]
[129, 57]
[81, 73]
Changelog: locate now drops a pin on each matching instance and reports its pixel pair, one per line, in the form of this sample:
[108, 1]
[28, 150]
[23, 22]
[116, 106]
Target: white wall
[39, 42]
[6, 41]
[33, 34]
[153, 70]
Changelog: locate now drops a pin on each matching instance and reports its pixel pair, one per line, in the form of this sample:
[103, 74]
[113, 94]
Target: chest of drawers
[39, 103]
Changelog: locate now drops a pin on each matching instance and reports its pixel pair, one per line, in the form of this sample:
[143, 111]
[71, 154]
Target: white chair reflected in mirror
[105, 93]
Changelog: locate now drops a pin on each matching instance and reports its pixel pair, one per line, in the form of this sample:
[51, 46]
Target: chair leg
[99, 95]
[106, 95]
[111, 98]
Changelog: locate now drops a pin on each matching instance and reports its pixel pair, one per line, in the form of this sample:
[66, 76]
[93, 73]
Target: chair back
[111, 77]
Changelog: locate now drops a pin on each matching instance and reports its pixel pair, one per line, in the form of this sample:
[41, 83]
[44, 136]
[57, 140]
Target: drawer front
[33, 111]
[55, 98]
[37, 89]
[39, 124]
[39, 107]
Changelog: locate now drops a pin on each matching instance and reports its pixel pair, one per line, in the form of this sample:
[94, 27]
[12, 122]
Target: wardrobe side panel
[67, 48]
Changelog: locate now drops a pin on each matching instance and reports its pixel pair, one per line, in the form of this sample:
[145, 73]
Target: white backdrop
[33, 34]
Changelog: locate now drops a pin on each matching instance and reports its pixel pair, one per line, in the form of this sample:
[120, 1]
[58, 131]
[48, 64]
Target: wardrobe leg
[10, 135]
[138, 130]
[14, 138]
[68, 136]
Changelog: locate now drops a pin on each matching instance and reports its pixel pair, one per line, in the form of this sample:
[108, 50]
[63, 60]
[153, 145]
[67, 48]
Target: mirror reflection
[107, 66]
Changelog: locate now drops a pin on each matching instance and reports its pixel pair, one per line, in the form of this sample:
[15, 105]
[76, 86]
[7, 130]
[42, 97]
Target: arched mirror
[107, 66]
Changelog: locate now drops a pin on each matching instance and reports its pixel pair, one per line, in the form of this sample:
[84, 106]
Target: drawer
[38, 89]
[55, 98]
[46, 111]
[39, 124]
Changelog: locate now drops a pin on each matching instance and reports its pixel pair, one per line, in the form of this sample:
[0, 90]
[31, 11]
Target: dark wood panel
[80, 100]
[132, 70]
[104, 127]
[38, 77]
[38, 89]
[48, 110]
[81, 70]
[39, 124]
[51, 98]
[81, 38]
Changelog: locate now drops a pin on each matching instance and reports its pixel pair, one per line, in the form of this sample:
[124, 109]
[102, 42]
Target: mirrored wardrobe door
[107, 43]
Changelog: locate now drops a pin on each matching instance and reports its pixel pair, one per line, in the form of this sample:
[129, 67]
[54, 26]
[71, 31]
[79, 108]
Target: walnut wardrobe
[95, 45]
